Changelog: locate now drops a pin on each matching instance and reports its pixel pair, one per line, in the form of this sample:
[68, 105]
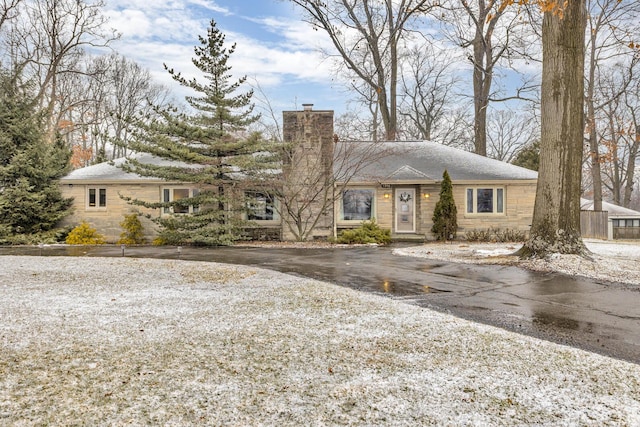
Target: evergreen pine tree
[445, 214]
[529, 156]
[31, 202]
[208, 148]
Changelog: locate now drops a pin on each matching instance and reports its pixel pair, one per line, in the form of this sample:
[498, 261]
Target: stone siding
[107, 220]
[309, 168]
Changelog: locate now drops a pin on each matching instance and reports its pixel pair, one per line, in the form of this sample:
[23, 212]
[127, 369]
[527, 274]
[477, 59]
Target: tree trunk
[482, 76]
[556, 215]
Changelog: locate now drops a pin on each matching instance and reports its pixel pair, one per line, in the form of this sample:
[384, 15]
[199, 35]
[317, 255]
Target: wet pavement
[599, 317]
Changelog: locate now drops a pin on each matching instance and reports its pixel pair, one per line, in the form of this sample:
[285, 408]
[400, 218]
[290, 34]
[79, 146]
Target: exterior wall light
[387, 196]
[426, 195]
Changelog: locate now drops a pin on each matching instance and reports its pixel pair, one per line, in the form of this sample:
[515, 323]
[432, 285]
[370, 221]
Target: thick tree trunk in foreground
[556, 215]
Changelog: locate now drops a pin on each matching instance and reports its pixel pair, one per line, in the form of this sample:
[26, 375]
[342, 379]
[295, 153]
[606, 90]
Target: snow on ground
[612, 261]
[115, 341]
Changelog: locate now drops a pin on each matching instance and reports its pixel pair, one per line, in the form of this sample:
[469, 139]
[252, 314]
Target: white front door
[405, 210]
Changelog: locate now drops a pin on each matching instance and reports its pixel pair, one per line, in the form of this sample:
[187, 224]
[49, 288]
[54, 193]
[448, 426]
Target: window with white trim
[171, 195]
[96, 198]
[485, 200]
[261, 206]
[358, 204]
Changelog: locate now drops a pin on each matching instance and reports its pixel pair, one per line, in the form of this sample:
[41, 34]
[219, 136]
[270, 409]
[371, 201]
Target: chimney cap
[307, 107]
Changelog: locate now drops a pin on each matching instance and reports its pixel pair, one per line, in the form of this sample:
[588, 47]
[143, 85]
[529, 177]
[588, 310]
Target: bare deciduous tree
[609, 22]
[509, 132]
[485, 27]
[48, 39]
[428, 86]
[619, 134]
[8, 11]
[306, 199]
[100, 104]
[128, 91]
[367, 36]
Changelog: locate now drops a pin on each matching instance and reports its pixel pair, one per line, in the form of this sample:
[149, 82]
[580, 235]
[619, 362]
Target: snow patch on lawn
[114, 341]
[609, 261]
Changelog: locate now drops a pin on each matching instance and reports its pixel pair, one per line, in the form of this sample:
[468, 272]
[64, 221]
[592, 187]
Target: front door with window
[405, 210]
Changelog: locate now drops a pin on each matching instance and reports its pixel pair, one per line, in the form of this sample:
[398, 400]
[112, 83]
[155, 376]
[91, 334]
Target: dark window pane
[166, 198]
[500, 200]
[261, 207]
[357, 205]
[485, 200]
[92, 197]
[103, 197]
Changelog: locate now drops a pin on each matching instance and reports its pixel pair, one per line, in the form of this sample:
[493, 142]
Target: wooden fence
[594, 224]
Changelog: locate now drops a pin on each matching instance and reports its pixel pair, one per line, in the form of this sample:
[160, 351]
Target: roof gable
[406, 172]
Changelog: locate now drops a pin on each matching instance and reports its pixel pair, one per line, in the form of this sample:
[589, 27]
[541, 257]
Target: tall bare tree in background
[367, 35]
[52, 44]
[8, 11]
[428, 89]
[485, 29]
[611, 25]
[47, 41]
[618, 133]
[127, 90]
[509, 132]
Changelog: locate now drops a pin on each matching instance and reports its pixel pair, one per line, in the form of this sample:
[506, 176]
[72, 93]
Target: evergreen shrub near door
[368, 232]
[445, 214]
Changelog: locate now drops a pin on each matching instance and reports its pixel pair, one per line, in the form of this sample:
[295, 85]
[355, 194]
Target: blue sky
[275, 48]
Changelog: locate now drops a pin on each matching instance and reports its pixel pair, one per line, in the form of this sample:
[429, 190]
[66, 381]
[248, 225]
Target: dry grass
[88, 341]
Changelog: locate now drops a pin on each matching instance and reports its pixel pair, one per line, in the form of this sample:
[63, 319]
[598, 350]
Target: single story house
[395, 183]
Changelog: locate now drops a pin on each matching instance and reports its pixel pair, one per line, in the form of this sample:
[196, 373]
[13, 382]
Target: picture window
[357, 205]
[485, 200]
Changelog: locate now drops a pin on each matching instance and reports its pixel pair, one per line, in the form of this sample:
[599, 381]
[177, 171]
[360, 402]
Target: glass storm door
[405, 210]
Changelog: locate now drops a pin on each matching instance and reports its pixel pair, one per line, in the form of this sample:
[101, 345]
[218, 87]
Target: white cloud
[133, 23]
[281, 52]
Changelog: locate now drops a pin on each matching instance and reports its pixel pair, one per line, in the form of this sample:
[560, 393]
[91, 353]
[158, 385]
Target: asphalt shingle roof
[613, 209]
[425, 160]
[110, 171]
[396, 162]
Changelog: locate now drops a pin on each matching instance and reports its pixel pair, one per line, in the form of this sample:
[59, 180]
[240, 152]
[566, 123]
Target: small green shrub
[56, 235]
[84, 234]
[133, 233]
[368, 232]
